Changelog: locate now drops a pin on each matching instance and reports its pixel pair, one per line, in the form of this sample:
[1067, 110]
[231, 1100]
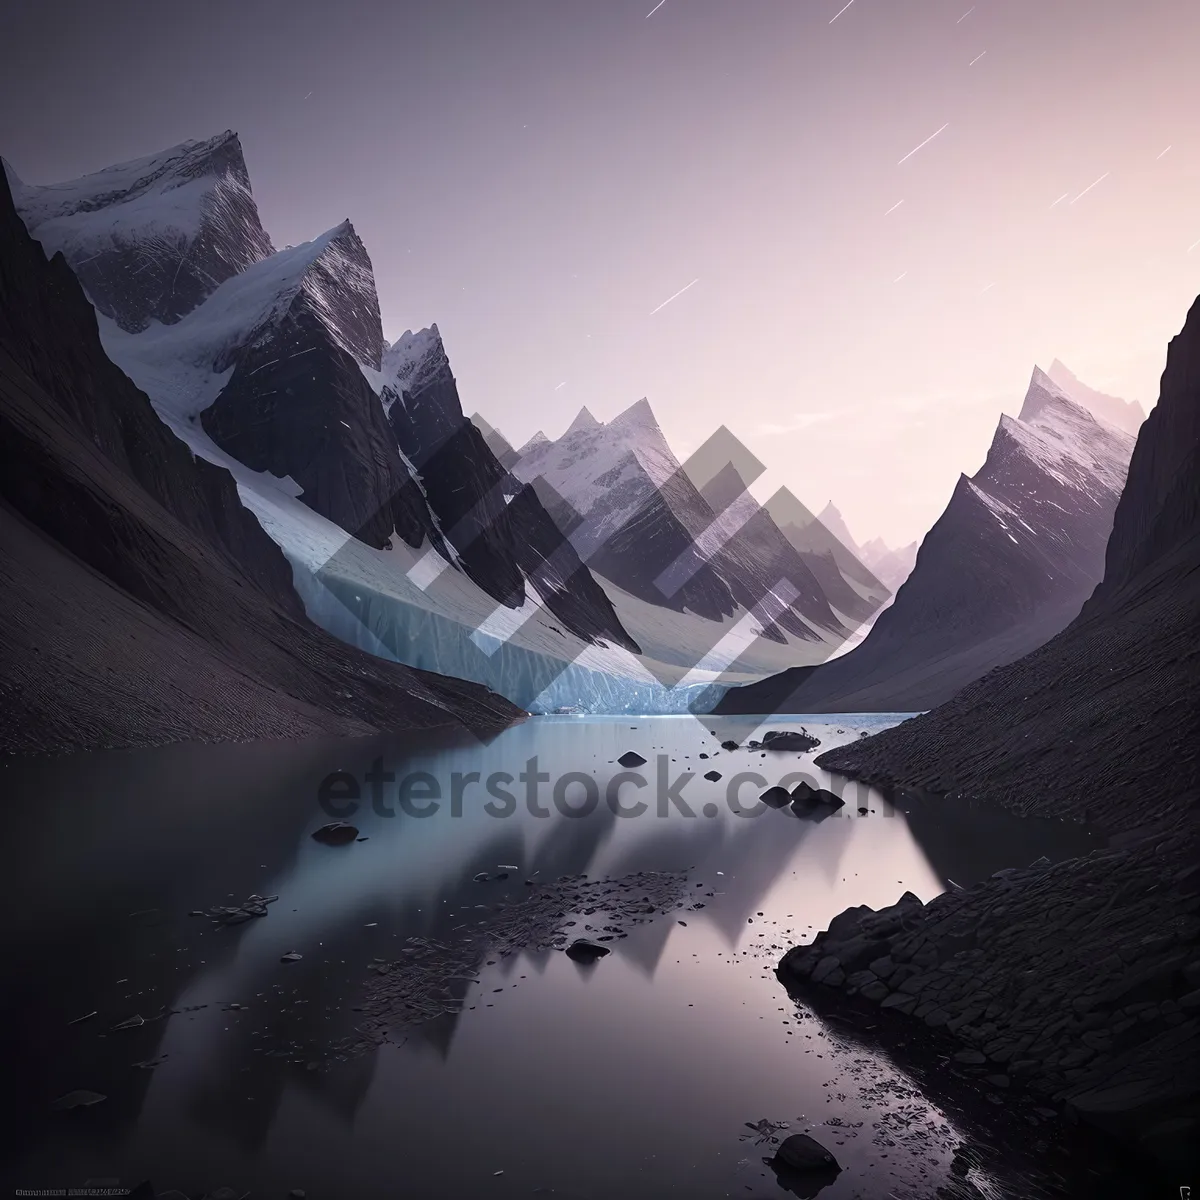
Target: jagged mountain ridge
[1009, 563]
[502, 532]
[143, 603]
[282, 361]
[1127, 415]
[634, 510]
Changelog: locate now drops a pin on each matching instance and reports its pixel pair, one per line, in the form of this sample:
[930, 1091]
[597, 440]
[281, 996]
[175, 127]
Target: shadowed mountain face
[152, 238]
[502, 534]
[298, 402]
[1009, 564]
[142, 602]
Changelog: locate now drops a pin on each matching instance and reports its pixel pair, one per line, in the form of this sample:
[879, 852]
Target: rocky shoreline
[1109, 1032]
[1080, 981]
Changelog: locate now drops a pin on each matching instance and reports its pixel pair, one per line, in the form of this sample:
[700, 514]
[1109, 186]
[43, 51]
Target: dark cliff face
[143, 603]
[499, 528]
[1009, 564]
[49, 334]
[1160, 507]
[298, 403]
[150, 239]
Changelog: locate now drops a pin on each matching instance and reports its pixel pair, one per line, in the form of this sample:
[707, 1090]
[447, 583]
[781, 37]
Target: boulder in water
[583, 951]
[776, 797]
[789, 739]
[336, 833]
[803, 1153]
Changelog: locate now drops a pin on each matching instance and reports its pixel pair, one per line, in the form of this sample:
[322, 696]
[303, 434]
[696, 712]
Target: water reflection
[661, 1052]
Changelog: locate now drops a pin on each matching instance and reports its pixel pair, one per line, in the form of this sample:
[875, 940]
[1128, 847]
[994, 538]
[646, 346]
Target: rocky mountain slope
[1009, 563]
[1080, 982]
[142, 602]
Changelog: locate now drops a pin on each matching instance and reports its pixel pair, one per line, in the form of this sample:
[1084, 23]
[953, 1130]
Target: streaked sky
[538, 176]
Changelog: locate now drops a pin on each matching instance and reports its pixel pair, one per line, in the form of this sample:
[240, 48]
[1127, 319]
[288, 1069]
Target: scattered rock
[789, 739]
[776, 797]
[803, 1153]
[291, 956]
[806, 797]
[712, 776]
[729, 745]
[336, 833]
[237, 914]
[583, 951]
[631, 759]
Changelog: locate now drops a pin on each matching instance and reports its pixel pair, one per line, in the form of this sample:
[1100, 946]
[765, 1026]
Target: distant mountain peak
[583, 423]
[1126, 415]
[1042, 391]
[637, 415]
[833, 521]
[413, 360]
[538, 440]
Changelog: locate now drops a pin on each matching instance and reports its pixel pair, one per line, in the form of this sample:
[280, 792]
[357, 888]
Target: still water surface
[634, 1077]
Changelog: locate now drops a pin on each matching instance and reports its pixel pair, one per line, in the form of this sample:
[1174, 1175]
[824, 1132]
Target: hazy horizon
[538, 179]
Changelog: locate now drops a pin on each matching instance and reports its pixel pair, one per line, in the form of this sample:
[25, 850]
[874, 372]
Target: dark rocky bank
[1081, 981]
[142, 603]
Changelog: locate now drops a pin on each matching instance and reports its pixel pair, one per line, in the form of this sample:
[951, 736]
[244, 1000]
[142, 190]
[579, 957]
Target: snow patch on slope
[184, 366]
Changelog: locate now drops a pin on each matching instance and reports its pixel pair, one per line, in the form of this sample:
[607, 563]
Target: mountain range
[143, 603]
[273, 364]
[279, 357]
[1008, 564]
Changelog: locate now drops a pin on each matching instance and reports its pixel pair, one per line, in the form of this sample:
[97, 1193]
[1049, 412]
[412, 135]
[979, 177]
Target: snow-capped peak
[413, 360]
[183, 364]
[165, 171]
[1063, 440]
[1042, 390]
[151, 238]
[583, 423]
[1126, 415]
[538, 440]
[638, 416]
